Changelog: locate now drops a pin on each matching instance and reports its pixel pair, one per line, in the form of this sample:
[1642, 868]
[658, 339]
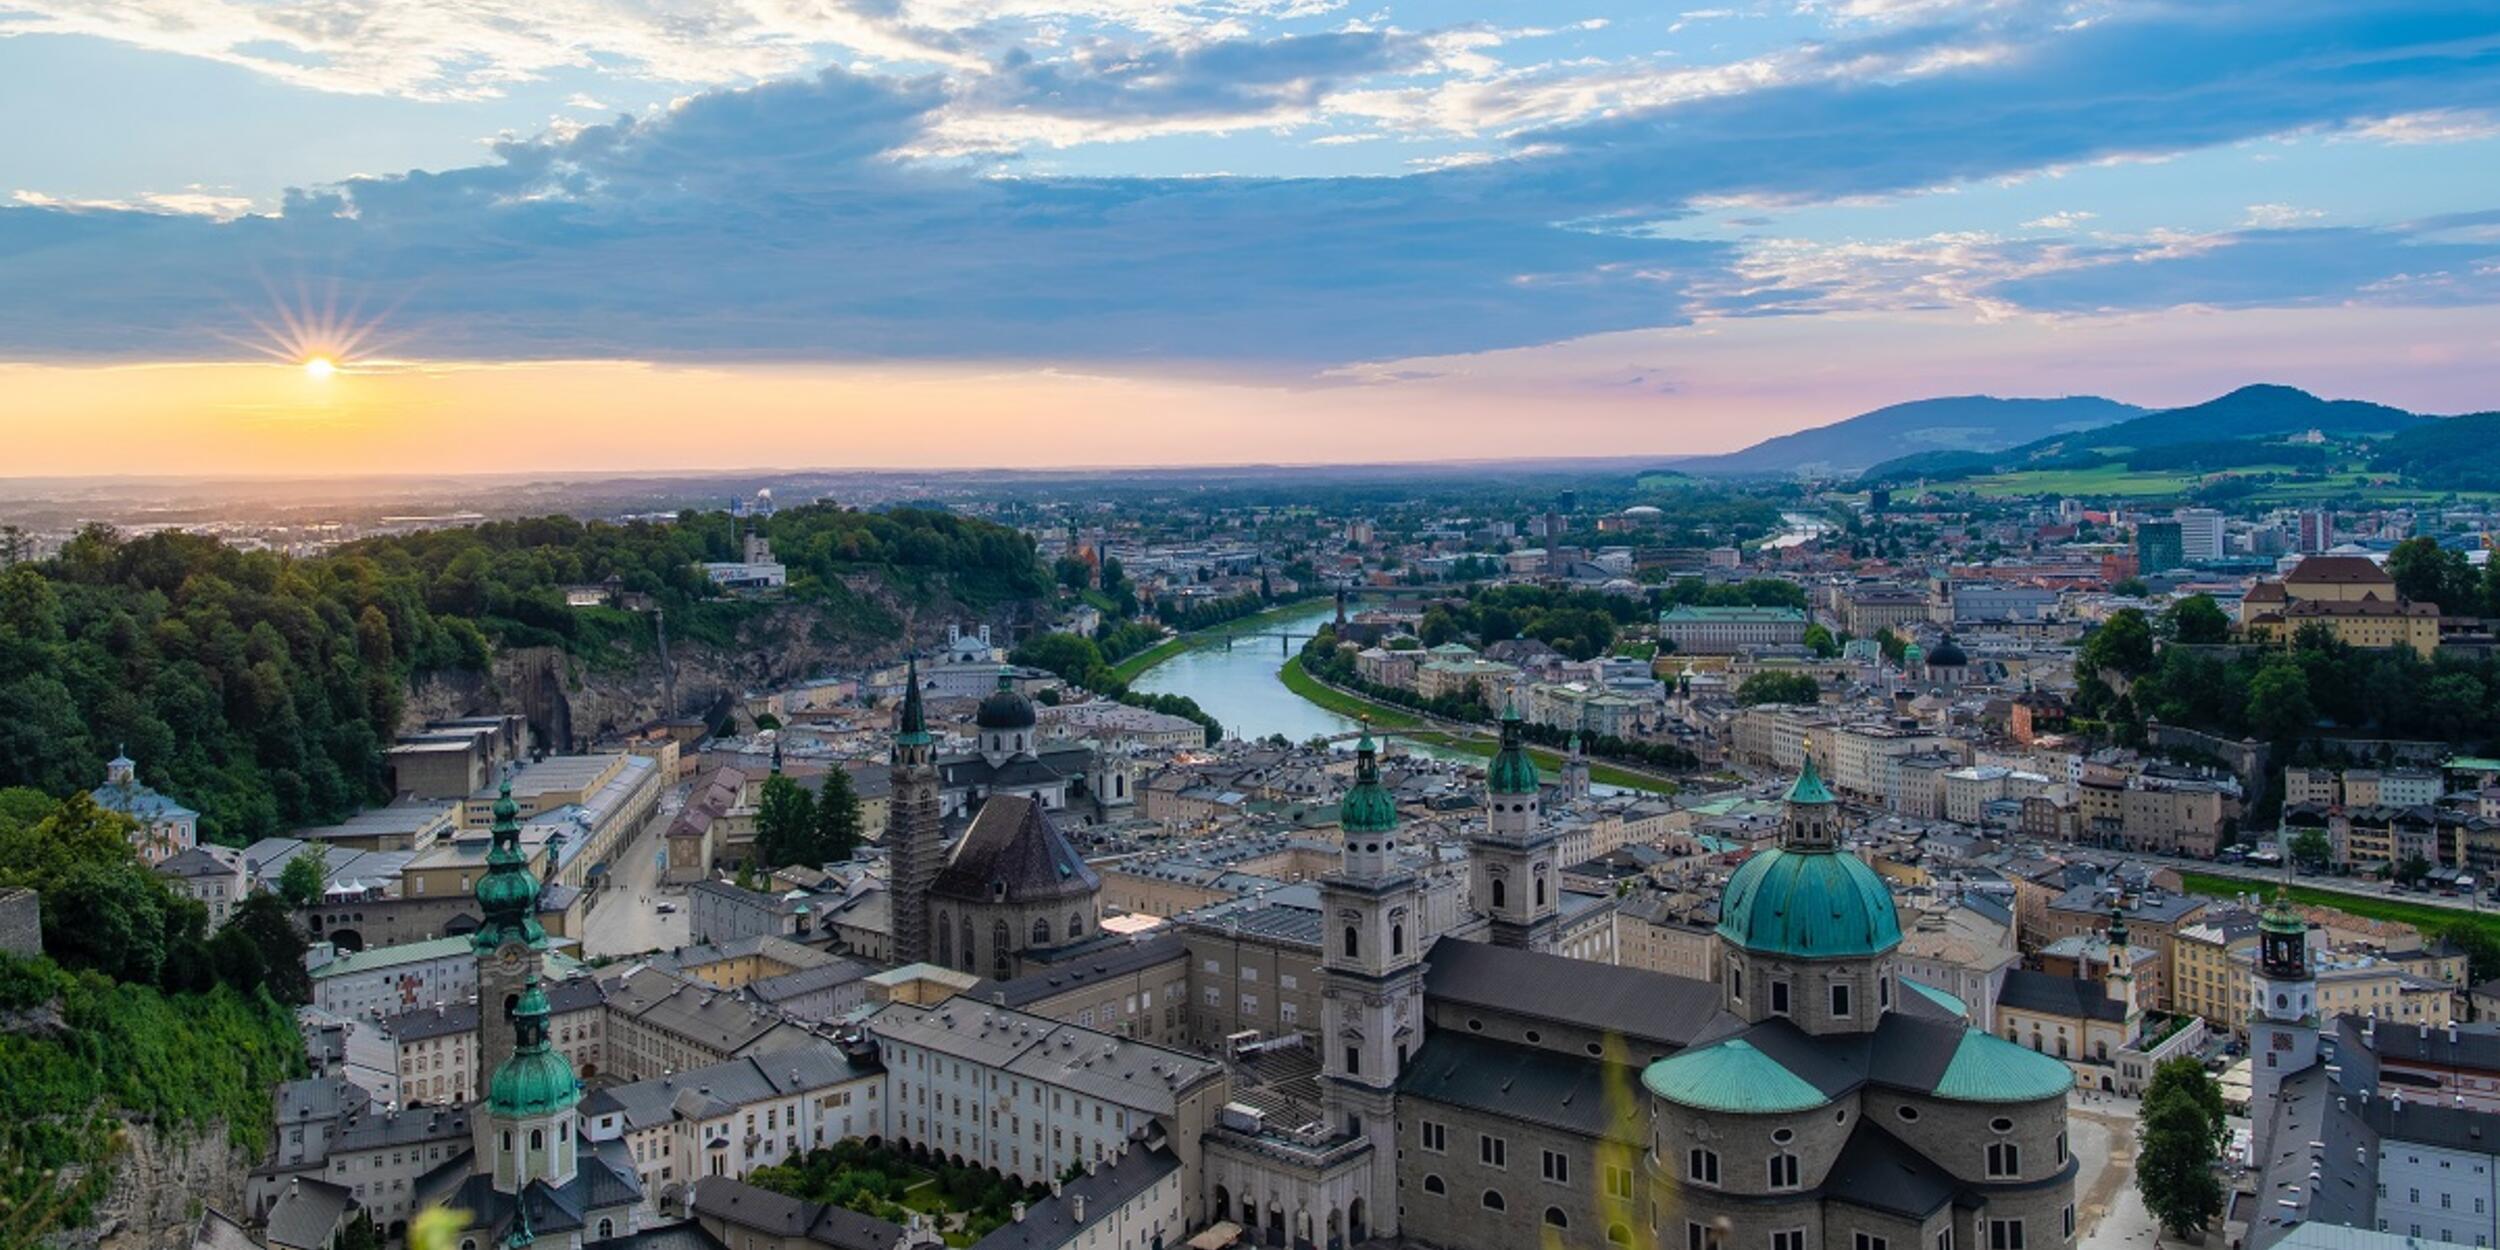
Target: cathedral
[1494, 1094]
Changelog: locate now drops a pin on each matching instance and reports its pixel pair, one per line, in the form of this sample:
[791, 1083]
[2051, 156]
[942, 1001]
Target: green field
[2422, 916]
[1389, 718]
[2117, 479]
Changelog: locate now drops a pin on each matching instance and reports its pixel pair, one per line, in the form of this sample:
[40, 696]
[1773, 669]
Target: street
[625, 920]
[2109, 1213]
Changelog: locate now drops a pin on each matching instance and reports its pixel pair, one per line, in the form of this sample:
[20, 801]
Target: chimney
[1017, 1210]
[1076, 1208]
[1054, 1187]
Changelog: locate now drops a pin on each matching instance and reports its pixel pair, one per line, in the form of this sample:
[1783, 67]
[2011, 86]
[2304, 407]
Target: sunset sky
[736, 233]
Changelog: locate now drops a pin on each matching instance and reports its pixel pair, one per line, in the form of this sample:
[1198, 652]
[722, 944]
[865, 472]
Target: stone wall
[160, 1184]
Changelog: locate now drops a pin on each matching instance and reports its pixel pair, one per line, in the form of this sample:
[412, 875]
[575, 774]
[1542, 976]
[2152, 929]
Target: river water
[1240, 687]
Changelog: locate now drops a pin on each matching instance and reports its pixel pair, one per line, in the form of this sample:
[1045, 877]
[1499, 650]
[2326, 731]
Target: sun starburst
[324, 334]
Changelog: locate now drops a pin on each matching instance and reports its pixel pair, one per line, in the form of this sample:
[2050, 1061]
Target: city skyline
[1141, 232]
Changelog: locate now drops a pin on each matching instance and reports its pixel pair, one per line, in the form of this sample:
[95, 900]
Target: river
[1240, 688]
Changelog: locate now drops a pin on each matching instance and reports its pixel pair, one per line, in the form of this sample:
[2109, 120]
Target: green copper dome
[1987, 1068]
[1809, 904]
[2279, 917]
[507, 896]
[1367, 807]
[536, 1079]
[1731, 1076]
[1512, 772]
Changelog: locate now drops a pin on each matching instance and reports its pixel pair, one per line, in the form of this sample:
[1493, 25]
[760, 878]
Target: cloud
[802, 218]
[2066, 219]
[2277, 216]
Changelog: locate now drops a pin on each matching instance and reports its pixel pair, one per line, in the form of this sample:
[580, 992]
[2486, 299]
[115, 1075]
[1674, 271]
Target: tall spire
[915, 728]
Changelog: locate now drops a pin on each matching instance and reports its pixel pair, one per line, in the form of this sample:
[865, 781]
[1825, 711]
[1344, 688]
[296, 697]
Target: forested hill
[261, 689]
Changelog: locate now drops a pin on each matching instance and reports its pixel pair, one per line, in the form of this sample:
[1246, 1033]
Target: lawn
[2422, 916]
[890, 1183]
[1136, 665]
[1388, 718]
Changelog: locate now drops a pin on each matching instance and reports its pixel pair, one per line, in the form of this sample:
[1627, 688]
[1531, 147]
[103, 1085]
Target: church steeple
[913, 838]
[507, 896]
[528, 1118]
[1371, 973]
[2283, 1016]
[1810, 822]
[1512, 772]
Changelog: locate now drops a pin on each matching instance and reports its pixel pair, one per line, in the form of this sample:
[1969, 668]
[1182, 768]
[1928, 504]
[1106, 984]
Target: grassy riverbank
[1130, 669]
[1407, 725]
[2429, 919]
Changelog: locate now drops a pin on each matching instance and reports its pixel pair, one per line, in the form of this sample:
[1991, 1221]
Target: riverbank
[1136, 666]
[1472, 741]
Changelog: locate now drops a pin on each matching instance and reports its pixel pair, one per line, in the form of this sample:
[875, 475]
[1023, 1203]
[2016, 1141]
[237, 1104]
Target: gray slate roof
[1650, 1006]
[1013, 845]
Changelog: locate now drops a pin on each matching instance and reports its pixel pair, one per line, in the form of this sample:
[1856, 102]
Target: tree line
[1079, 661]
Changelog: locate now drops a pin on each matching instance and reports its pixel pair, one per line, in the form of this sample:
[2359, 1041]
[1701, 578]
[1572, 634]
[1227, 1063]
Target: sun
[319, 367]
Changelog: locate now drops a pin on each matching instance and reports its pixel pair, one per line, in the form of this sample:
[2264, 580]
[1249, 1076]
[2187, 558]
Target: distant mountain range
[1965, 435]
[1959, 423]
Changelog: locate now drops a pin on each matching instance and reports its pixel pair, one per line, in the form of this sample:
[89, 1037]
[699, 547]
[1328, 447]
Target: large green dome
[1808, 904]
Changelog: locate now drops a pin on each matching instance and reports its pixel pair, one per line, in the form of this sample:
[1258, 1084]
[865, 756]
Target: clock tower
[2283, 1015]
[509, 943]
[1371, 979]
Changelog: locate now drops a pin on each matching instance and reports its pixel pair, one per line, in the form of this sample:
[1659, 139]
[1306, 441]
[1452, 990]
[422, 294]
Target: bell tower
[2283, 1016]
[1371, 978]
[509, 943]
[1511, 873]
[913, 839]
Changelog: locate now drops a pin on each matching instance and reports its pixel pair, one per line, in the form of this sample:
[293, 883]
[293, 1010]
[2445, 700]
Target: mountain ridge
[1944, 424]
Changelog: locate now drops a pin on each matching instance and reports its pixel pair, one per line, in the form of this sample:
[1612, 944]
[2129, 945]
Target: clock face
[511, 957]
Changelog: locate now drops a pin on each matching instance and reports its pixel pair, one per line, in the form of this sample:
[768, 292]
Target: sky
[573, 234]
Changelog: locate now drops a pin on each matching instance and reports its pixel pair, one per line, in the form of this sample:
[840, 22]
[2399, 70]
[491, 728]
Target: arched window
[967, 935]
[1076, 926]
[507, 1141]
[1618, 1235]
[1433, 1185]
[1397, 939]
[1554, 1217]
[1702, 1165]
[1041, 930]
[1540, 891]
[1783, 1171]
[1352, 944]
[946, 939]
[1493, 1201]
[607, 1228]
[1497, 894]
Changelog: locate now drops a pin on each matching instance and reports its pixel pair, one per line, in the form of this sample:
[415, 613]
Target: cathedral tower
[913, 840]
[2283, 1016]
[1371, 977]
[1511, 875]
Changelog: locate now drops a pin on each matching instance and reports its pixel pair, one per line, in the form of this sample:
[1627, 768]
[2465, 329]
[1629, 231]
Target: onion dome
[1913, 655]
[507, 896]
[1367, 808]
[1948, 654]
[536, 1080]
[1004, 708]
[1512, 772]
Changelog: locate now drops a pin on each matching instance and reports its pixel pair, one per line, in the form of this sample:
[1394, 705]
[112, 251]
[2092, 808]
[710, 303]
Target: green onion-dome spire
[1512, 772]
[1367, 807]
[536, 1080]
[1809, 786]
[915, 727]
[507, 896]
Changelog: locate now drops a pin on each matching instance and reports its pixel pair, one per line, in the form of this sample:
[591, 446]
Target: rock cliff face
[160, 1184]
[571, 703]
